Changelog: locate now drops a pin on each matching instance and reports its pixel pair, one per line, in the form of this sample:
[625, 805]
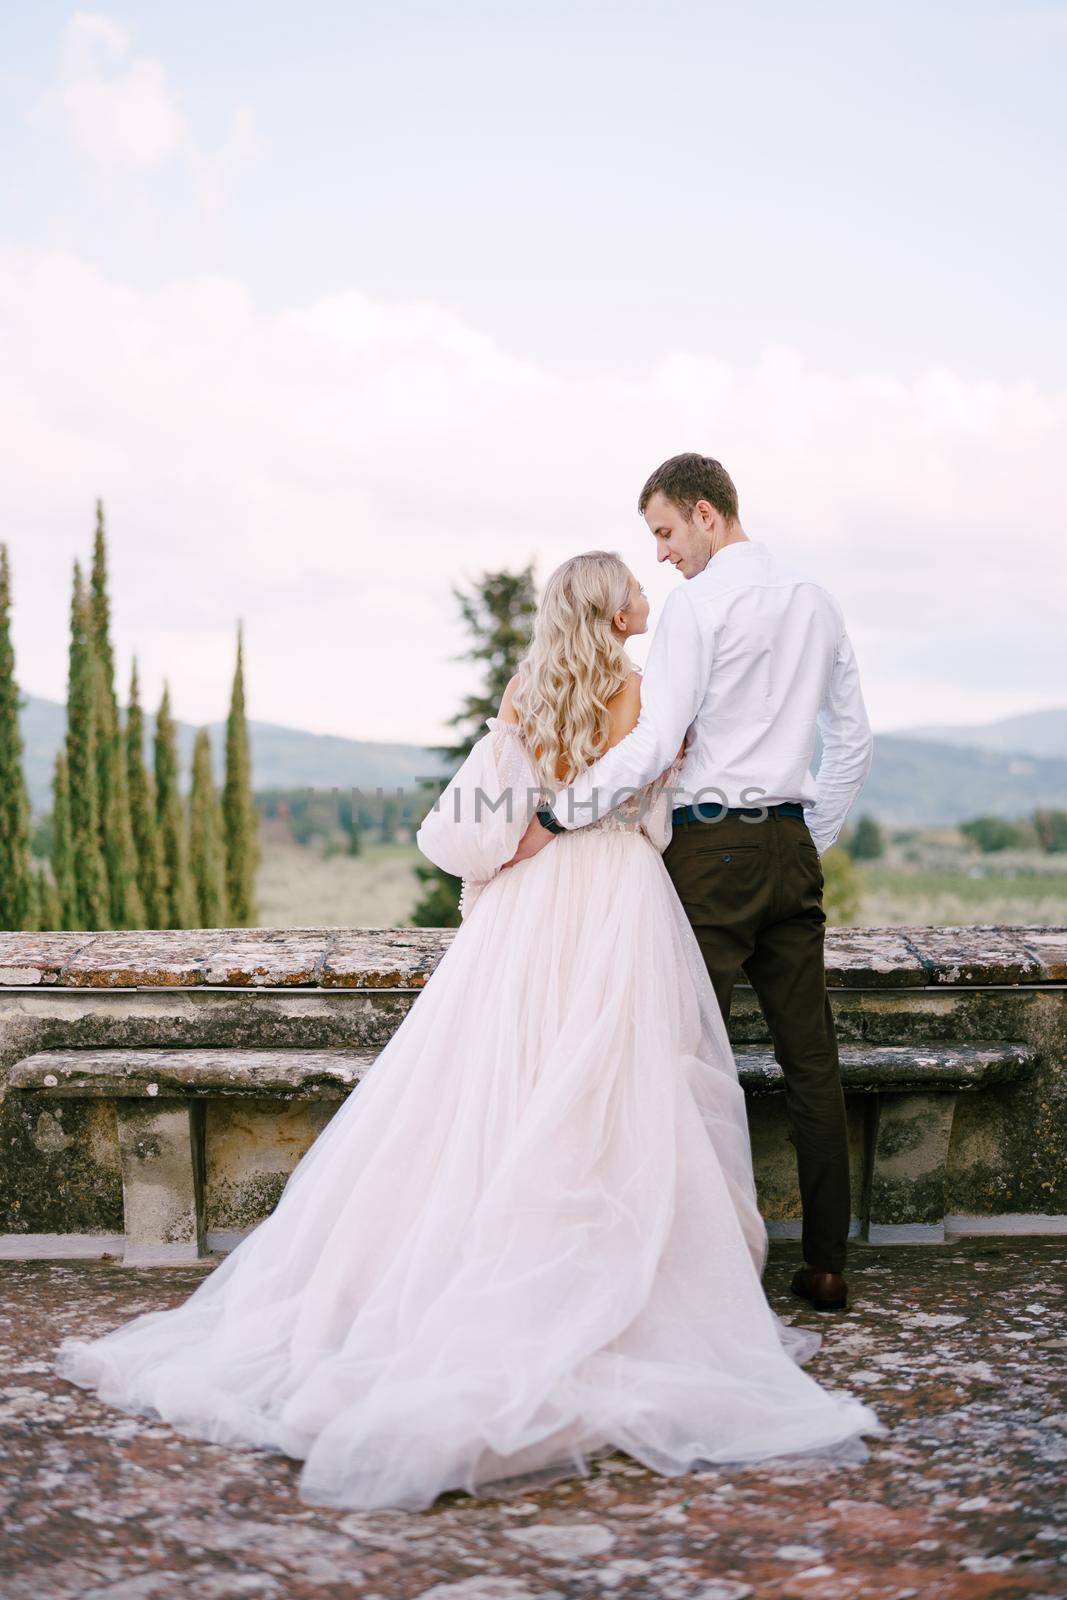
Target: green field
[891, 898]
[932, 877]
[936, 876]
[300, 887]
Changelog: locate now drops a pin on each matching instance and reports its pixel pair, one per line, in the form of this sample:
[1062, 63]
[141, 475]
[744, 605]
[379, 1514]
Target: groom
[750, 656]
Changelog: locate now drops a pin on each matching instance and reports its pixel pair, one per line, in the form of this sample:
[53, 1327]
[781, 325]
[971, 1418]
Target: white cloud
[328, 471]
[117, 111]
[120, 113]
[217, 172]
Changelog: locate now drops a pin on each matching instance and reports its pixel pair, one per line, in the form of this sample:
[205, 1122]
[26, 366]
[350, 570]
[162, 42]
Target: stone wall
[990, 1148]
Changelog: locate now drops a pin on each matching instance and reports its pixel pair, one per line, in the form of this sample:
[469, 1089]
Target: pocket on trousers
[709, 850]
[809, 862]
[718, 881]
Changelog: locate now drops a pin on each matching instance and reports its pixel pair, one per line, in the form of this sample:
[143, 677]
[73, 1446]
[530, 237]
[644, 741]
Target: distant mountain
[282, 758]
[914, 780]
[1035, 733]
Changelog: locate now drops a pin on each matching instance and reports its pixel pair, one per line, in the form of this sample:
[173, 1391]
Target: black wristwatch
[547, 820]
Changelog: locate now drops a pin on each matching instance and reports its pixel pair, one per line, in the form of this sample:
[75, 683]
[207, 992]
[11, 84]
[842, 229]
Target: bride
[530, 1235]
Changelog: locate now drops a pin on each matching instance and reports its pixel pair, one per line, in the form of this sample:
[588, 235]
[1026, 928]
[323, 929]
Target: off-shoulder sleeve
[477, 822]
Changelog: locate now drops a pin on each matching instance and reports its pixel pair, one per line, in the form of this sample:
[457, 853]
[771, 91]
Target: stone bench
[159, 1098]
[221, 1054]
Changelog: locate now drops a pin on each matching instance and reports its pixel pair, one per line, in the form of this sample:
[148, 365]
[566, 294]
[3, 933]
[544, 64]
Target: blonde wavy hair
[573, 666]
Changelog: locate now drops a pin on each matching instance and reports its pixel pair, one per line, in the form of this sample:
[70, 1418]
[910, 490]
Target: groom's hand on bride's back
[534, 839]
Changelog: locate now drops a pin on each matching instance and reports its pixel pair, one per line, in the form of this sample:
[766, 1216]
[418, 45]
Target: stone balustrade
[157, 1088]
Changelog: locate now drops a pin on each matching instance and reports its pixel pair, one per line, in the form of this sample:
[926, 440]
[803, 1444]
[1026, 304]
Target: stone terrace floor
[961, 1349]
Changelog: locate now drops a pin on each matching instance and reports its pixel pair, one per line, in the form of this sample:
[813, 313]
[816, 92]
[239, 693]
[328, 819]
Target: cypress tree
[126, 906]
[178, 900]
[16, 882]
[238, 806]
[207, 852]
[45, 913]
[90, 876]
[151, 876]
[66, 888]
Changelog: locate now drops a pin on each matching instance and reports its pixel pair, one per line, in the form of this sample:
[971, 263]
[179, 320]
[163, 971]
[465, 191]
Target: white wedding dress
[530, 1235]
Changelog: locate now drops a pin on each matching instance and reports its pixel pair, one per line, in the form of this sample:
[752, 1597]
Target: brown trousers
[753, 893]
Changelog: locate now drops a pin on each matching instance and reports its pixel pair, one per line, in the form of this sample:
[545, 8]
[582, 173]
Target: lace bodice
[648, 810]
[479, 819]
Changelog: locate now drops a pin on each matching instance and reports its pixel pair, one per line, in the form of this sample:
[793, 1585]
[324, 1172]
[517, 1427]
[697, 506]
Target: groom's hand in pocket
[534, 839]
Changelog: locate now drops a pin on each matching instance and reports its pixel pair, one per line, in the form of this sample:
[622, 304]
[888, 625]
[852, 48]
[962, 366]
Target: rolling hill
[916, 782]
[916, 779]
[282, 758]
[1035, 733]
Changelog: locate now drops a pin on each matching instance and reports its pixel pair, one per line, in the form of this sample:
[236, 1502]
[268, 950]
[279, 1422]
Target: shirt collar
[730, 552]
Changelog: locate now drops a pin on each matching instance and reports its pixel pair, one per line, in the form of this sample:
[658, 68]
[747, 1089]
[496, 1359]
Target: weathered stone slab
[189, 1074]
[163, 956]
[907, 1183]
[59, 1166]
[250, 1148]
[161, 1147]
[897, 1069]
[27, 958]
[871, 958]
[974, 955]
[330, 1074]
[403, 958]
[286, 1022]
[1048, 946]
[962, 1501]
[262, 957]
[383, 958]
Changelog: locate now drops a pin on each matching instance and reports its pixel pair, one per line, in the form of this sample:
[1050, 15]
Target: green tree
[144, 825]
[841, 893]
[238, 805]
[90, 874]
[991, 833]
[62, 848]
[1051, 828]
[351, 827]
[207, 854]
[45, 912]
[390, 820]
[179, 905]
[867, 842]
[17, 887]
[126, 906]
[498, 610]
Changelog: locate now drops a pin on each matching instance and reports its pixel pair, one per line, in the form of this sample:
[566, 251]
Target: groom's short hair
[688, 478]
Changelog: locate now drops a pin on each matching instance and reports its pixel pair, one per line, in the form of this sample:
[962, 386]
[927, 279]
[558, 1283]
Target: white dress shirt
[750, 657]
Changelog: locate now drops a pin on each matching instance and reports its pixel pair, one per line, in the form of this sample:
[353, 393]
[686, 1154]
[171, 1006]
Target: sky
[336, 306]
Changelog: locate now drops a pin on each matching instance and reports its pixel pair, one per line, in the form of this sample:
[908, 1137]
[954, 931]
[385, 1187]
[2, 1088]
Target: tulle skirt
[528, 1237]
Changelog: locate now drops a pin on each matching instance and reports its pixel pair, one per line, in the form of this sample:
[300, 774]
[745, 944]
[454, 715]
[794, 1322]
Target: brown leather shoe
[827, 1291]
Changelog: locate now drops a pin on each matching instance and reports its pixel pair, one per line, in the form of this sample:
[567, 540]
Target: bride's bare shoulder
[507, 712]
[624, 707]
